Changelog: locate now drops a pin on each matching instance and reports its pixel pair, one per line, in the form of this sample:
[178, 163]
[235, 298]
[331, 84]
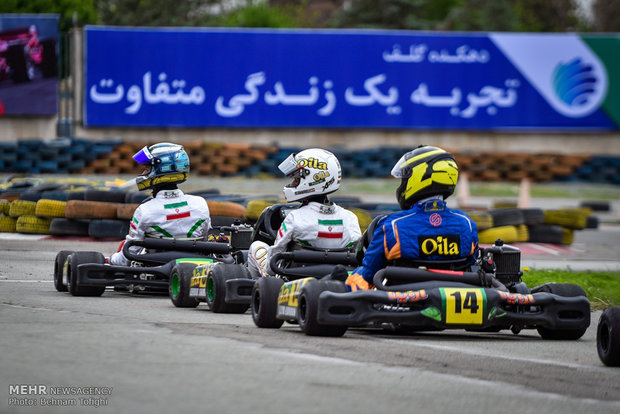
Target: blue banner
[333, 79]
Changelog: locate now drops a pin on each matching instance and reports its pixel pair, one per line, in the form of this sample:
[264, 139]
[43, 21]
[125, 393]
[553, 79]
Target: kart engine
[506, 260]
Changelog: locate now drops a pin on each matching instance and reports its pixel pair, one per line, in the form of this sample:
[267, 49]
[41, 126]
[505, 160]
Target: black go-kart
[421, 295]
[86, 273]
[226, 287]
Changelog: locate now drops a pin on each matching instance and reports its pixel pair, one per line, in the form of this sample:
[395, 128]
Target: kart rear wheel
[308, 308]
[608, 337]
[76, 259]
[566, 290]
[178, 288]
[216, 288]
[59, 270]
[265, 302]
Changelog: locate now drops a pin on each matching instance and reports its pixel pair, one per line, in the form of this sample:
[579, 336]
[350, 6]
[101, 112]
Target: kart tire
[108, 196]
[226, 208]
[69, 227]
[82, 209]
[33, 225]
[265, 302]
[308, 308]
[59, 269]
[7, 224]
[50, 208]
[216, 288]
[22, 208]
[108, 229]
[178, 288]
[5, 206]
[125, 211]
[75, 259]
[608, 337]
[566, 290]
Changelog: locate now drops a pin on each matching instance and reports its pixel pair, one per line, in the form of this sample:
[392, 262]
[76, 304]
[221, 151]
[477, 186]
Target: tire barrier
[76, 155]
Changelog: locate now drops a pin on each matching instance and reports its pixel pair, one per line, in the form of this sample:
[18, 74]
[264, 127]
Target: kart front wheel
[216, 288]
[608, 337]
[75, 260]
[265, 302]
[178, 287]
[59, 270]
[308, 308]
[566, 290]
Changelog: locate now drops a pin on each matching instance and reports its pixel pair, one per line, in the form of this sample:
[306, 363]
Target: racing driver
[170, 213]
[318, 223]
[425, 228]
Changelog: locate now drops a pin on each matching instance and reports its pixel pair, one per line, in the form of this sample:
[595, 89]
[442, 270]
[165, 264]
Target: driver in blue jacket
[425, 228]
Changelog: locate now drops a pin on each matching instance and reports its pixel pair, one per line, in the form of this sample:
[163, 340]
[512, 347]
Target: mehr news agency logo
[30, 395]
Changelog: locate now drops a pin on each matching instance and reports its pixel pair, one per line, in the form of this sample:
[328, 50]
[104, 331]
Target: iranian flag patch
[177, 210]
[330, 229]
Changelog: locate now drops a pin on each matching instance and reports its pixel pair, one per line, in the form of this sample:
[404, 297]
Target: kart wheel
[73, 286]
[608, 337]
[265, 302]
[178, 288]
[59, 269]
[566, 290]
[309, 304]
[216, 288]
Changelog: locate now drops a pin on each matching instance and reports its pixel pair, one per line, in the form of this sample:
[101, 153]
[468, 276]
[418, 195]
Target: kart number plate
[462, 306]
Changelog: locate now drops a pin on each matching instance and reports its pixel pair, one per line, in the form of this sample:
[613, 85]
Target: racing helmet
[315, 171]
[165, 164]
[425, 172]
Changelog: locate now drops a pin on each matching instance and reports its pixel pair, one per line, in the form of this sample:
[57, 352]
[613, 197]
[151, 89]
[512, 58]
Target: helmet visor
[402, 168]
[143, 156]
[289, 165]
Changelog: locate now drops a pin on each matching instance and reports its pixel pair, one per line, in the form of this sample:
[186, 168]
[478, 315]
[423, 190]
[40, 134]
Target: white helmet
[315, 171]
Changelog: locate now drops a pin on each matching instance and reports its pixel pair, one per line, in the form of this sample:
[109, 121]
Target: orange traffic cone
[462, 191]
[524, 194]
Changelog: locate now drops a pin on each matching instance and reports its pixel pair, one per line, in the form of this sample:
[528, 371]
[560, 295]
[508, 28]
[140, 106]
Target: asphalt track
[140, 354]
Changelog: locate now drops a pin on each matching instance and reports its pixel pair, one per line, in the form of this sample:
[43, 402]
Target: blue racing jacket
[429, 231]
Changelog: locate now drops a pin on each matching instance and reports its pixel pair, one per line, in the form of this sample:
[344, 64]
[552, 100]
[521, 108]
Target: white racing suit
[316, 225]
[171, 214]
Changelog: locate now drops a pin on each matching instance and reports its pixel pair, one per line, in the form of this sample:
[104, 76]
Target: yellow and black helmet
[425, 172]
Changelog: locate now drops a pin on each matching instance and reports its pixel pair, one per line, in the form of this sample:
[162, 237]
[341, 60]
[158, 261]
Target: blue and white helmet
[165, 163]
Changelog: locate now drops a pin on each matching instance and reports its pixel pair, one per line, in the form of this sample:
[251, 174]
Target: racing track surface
[157, 358]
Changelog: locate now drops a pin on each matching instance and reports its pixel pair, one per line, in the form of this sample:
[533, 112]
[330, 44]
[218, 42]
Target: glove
[356, 282]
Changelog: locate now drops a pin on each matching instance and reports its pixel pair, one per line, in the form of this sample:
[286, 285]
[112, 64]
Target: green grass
[602, 288]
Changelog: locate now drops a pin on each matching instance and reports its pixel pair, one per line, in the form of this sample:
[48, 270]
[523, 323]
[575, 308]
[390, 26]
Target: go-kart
[86, 273]
[225, 287]
[426, 295]
[491, 297]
